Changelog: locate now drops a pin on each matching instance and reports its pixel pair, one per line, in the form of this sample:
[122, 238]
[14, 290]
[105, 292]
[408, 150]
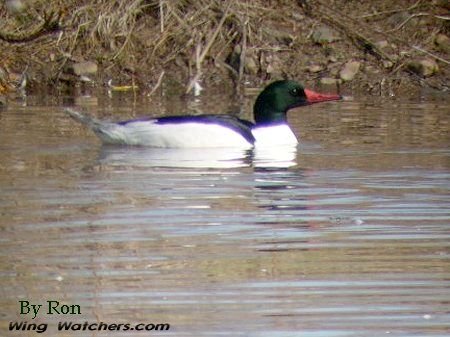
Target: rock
[279, 35]
[251, 66]
[332, 59]
[398, 18]
[234, 59]
[16, 7]
[388, 64]
[179, 61]
[382, 44]
[442, 3]
[324, 35]
[84, 68]
[442, 42]
[330, 81]
[273, 65]
[424, 67]
[16, 79]
[314, 68]
[368, 69]
[271, 69]
[334, 72]
[350, 70]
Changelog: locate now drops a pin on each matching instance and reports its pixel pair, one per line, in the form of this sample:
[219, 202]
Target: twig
[200, 57]
[161, 15]
[50, 25]
[406, 21]
[390, 11]
[68, 55]
[127, 39]
[158, 83]
[431, 54]
[198, 67]
[216, 32]
[243, 50]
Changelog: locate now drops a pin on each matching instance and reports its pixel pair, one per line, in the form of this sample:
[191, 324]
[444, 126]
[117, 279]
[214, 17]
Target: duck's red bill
[316, 97]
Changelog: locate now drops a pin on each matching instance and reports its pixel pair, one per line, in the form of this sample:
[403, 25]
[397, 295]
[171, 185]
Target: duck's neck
[264, 116]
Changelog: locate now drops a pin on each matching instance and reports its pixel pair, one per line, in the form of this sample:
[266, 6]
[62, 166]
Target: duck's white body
[185, 135]
[150, 133]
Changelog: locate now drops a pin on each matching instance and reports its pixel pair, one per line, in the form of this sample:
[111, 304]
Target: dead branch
[412, 16]
[201, 55]
[50, 25]
[391, 11]
[431, 54]
[158, 83]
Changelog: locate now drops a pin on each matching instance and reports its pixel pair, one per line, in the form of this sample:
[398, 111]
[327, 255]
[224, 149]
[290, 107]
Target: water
[348, 237]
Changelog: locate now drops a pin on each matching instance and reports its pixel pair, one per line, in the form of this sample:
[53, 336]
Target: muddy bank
[374, 47]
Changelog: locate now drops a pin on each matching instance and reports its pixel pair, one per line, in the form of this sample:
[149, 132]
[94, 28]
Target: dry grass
[154, 34]
[187, 40]
[140, 37]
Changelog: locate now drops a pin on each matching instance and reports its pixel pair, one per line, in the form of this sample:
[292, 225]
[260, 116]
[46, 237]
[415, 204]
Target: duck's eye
[295, 92]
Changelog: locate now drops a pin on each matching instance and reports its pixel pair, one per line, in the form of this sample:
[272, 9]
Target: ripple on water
[351, 240]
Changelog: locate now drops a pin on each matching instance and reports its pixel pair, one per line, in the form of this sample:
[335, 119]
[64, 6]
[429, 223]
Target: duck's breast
[274, 135]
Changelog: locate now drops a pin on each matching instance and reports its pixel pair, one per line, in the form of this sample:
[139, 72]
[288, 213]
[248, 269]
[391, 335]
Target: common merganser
[270, 127]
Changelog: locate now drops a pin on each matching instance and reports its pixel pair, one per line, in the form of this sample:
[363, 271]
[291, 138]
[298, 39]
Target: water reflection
[181, 158]
[275, 156]
[219, 158]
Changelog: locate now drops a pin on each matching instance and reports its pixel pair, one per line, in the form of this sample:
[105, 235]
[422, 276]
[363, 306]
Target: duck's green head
[277, 98]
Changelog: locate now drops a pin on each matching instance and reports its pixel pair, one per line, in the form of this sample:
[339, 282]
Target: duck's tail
[91, 122]
[109, 133]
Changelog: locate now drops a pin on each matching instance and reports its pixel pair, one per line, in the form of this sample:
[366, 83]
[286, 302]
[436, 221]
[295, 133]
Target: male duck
[270, 127]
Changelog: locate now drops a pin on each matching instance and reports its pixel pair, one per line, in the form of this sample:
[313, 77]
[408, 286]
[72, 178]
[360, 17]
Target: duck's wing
[150, 131]
[241, 126]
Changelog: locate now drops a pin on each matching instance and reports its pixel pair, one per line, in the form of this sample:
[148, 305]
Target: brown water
[352, 239]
